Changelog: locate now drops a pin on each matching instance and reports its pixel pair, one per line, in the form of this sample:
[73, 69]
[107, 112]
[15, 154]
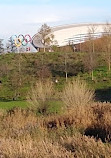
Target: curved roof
[67, 32]
[37, 41]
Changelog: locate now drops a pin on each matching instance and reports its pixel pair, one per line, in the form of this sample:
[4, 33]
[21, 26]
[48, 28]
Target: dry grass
[40, 93]
[77, 118]
[30, 148]
[71, 147]
[77, 93]
[84, 147]
[18, 123]
[101, 127]
[23, 134]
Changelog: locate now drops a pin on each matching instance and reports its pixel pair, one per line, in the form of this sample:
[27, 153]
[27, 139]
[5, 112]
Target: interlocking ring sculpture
[21, 40]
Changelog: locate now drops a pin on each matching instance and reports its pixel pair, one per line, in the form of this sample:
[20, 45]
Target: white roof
[63, 33]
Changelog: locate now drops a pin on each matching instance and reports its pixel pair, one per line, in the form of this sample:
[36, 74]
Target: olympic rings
[21, 37]
[28, 38]
[18, 42]
[13, 37]
[24, 43]
[21, 40]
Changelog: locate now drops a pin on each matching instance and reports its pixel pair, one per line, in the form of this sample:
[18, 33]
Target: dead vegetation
[82, 131]
[77, 93]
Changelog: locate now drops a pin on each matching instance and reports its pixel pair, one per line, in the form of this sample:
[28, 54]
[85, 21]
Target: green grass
[53, 107]
[11, 104]
[32, 66]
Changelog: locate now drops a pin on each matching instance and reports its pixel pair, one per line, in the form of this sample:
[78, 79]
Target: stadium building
[76, 32]
[73, 34]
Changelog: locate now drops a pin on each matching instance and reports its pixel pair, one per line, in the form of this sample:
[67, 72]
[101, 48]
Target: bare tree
[107, 44]
[46, 35]
[90, 59]
[17, 77]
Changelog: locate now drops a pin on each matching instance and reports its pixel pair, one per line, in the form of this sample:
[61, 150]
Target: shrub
[40, 94]
[76, 93]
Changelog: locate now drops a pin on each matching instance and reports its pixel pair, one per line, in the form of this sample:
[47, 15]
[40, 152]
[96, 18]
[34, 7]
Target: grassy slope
[31, 64]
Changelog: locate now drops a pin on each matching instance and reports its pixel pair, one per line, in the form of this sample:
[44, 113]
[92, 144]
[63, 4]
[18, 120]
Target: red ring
[30, 39]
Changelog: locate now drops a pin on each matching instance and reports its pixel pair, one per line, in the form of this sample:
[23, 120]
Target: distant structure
[76, 33]
[37, 41]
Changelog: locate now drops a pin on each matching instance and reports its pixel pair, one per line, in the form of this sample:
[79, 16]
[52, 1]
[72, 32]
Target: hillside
[18, 72]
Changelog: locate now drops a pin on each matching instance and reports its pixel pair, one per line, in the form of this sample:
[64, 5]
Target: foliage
[46, 35]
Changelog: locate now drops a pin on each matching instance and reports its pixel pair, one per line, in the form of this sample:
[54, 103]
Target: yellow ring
[18, 44]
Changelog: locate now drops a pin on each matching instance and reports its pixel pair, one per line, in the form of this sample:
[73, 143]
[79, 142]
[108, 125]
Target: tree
[90, 58]
[17, 77]
[46, 35]
[107, 44]
[1, 46]
[10, 46]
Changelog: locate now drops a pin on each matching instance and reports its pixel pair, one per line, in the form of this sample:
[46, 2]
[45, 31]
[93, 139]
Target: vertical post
[80, 43]
[42, 67]
[109, 64]
[44, 49]
[19, 66]
[66, 75]
[17, 49]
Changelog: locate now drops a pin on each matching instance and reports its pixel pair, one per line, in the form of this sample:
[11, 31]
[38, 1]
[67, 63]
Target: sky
[27, 16]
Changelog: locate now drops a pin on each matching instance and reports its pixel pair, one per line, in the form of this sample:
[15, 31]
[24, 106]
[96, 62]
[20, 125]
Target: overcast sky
[26, 16]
